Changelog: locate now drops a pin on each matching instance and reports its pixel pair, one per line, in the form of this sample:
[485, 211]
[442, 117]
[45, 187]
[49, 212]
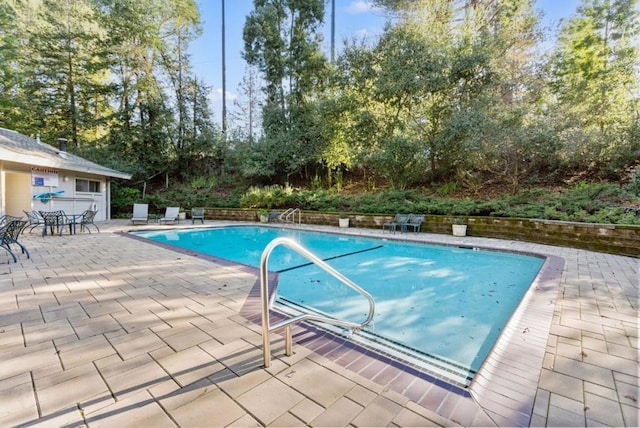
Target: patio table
[73, 220]
[58, 220]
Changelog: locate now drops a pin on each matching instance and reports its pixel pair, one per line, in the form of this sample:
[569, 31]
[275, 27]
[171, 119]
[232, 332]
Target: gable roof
[16, 147]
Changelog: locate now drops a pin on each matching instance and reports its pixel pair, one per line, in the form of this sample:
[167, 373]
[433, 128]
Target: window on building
[89, 186]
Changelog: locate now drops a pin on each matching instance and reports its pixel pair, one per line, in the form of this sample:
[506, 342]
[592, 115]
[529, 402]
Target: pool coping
[504, 389]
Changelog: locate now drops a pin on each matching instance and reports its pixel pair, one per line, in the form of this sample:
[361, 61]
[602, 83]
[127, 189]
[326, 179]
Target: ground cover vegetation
[460, 107]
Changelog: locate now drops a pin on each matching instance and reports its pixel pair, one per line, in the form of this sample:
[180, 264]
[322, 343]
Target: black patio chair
[49, 221]
[35, 220]
[87, 220]
[414, 222]
[9, 235]
[274, 216]
[197, 214]
[399, 221]
[6, 219]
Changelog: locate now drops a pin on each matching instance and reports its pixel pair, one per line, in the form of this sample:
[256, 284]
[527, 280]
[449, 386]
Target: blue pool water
[437, 303]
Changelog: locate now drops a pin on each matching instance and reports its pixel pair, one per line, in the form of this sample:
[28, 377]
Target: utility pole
[224, 78]
[333, 30]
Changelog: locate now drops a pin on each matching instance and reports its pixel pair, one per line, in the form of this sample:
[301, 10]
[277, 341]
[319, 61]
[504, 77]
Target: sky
[354, 18]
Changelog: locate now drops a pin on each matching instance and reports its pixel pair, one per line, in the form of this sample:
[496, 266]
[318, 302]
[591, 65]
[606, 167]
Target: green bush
[585, 202]
[274, 196]
[122, 199]
[633, 186]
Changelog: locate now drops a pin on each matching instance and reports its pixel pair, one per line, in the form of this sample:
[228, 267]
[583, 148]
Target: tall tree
[248, 107]
[178, 25]
[266, 48]
[595, 79]
[282, 40]
[418, 84]
[512, 137]
[142, 132]
[478, 96]
[65, 67]
[149, 43]
[10, 100]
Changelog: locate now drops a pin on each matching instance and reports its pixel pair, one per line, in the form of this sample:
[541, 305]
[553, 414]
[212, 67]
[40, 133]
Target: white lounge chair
[140, 213]
[170, 215]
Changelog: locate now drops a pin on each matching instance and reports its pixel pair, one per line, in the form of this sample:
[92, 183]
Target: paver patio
[104, 330]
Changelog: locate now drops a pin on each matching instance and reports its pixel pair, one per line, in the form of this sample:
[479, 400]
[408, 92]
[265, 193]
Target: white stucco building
[41, 177]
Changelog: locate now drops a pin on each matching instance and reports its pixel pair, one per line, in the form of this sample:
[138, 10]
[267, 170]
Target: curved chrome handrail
[265, 302]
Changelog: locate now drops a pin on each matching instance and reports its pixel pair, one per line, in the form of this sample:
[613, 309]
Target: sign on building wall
[44, 177]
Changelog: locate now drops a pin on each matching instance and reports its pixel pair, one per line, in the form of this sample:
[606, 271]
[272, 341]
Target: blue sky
[354, 18]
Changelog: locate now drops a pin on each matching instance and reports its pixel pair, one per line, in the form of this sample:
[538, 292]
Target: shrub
[274, 196]
[586, 202]
[633, 186]
[122, 199]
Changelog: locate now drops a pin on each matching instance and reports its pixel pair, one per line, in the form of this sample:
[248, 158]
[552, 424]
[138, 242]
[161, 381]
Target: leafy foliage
[267, 197]
[585, 202]
[453, 94]
[594, 75]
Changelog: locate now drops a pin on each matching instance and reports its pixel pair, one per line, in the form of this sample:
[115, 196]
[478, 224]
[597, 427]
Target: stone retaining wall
[606, 238]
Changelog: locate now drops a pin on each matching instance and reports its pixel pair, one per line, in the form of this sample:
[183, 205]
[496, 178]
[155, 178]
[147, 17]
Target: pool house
[38, 176]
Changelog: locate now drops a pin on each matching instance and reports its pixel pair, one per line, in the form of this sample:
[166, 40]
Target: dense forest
[455, 96]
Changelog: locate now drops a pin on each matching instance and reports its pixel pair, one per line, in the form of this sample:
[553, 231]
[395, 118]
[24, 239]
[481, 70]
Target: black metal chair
[399, 221]
[6, 219]
[197, 214]
[49, 220]
[274, 216]
[87, 220]
[414, 222]
[9, 235]
[35, 220]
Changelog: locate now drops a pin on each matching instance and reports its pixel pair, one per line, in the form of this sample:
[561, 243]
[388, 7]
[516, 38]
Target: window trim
[98, 186]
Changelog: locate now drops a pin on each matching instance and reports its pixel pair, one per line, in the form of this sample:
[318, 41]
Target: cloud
[361, 6]
[362, 33]
[216, 95]
[215, 102]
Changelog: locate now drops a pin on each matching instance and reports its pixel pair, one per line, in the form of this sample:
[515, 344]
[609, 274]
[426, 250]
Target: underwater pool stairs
[103, 330]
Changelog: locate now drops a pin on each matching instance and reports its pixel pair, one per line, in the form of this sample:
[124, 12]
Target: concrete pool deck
[104, 330]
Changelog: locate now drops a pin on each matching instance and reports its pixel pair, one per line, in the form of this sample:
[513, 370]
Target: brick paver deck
[104, 330]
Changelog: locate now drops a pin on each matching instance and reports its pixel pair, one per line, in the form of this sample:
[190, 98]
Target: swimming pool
[436, 305]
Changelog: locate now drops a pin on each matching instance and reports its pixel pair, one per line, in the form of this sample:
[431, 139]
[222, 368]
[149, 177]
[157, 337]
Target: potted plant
[343, 219]
[182, 215]
[263, 215]
[459, 228]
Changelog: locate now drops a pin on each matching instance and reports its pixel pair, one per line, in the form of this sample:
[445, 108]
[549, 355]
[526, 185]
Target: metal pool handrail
[265, 302]
[289, 216]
